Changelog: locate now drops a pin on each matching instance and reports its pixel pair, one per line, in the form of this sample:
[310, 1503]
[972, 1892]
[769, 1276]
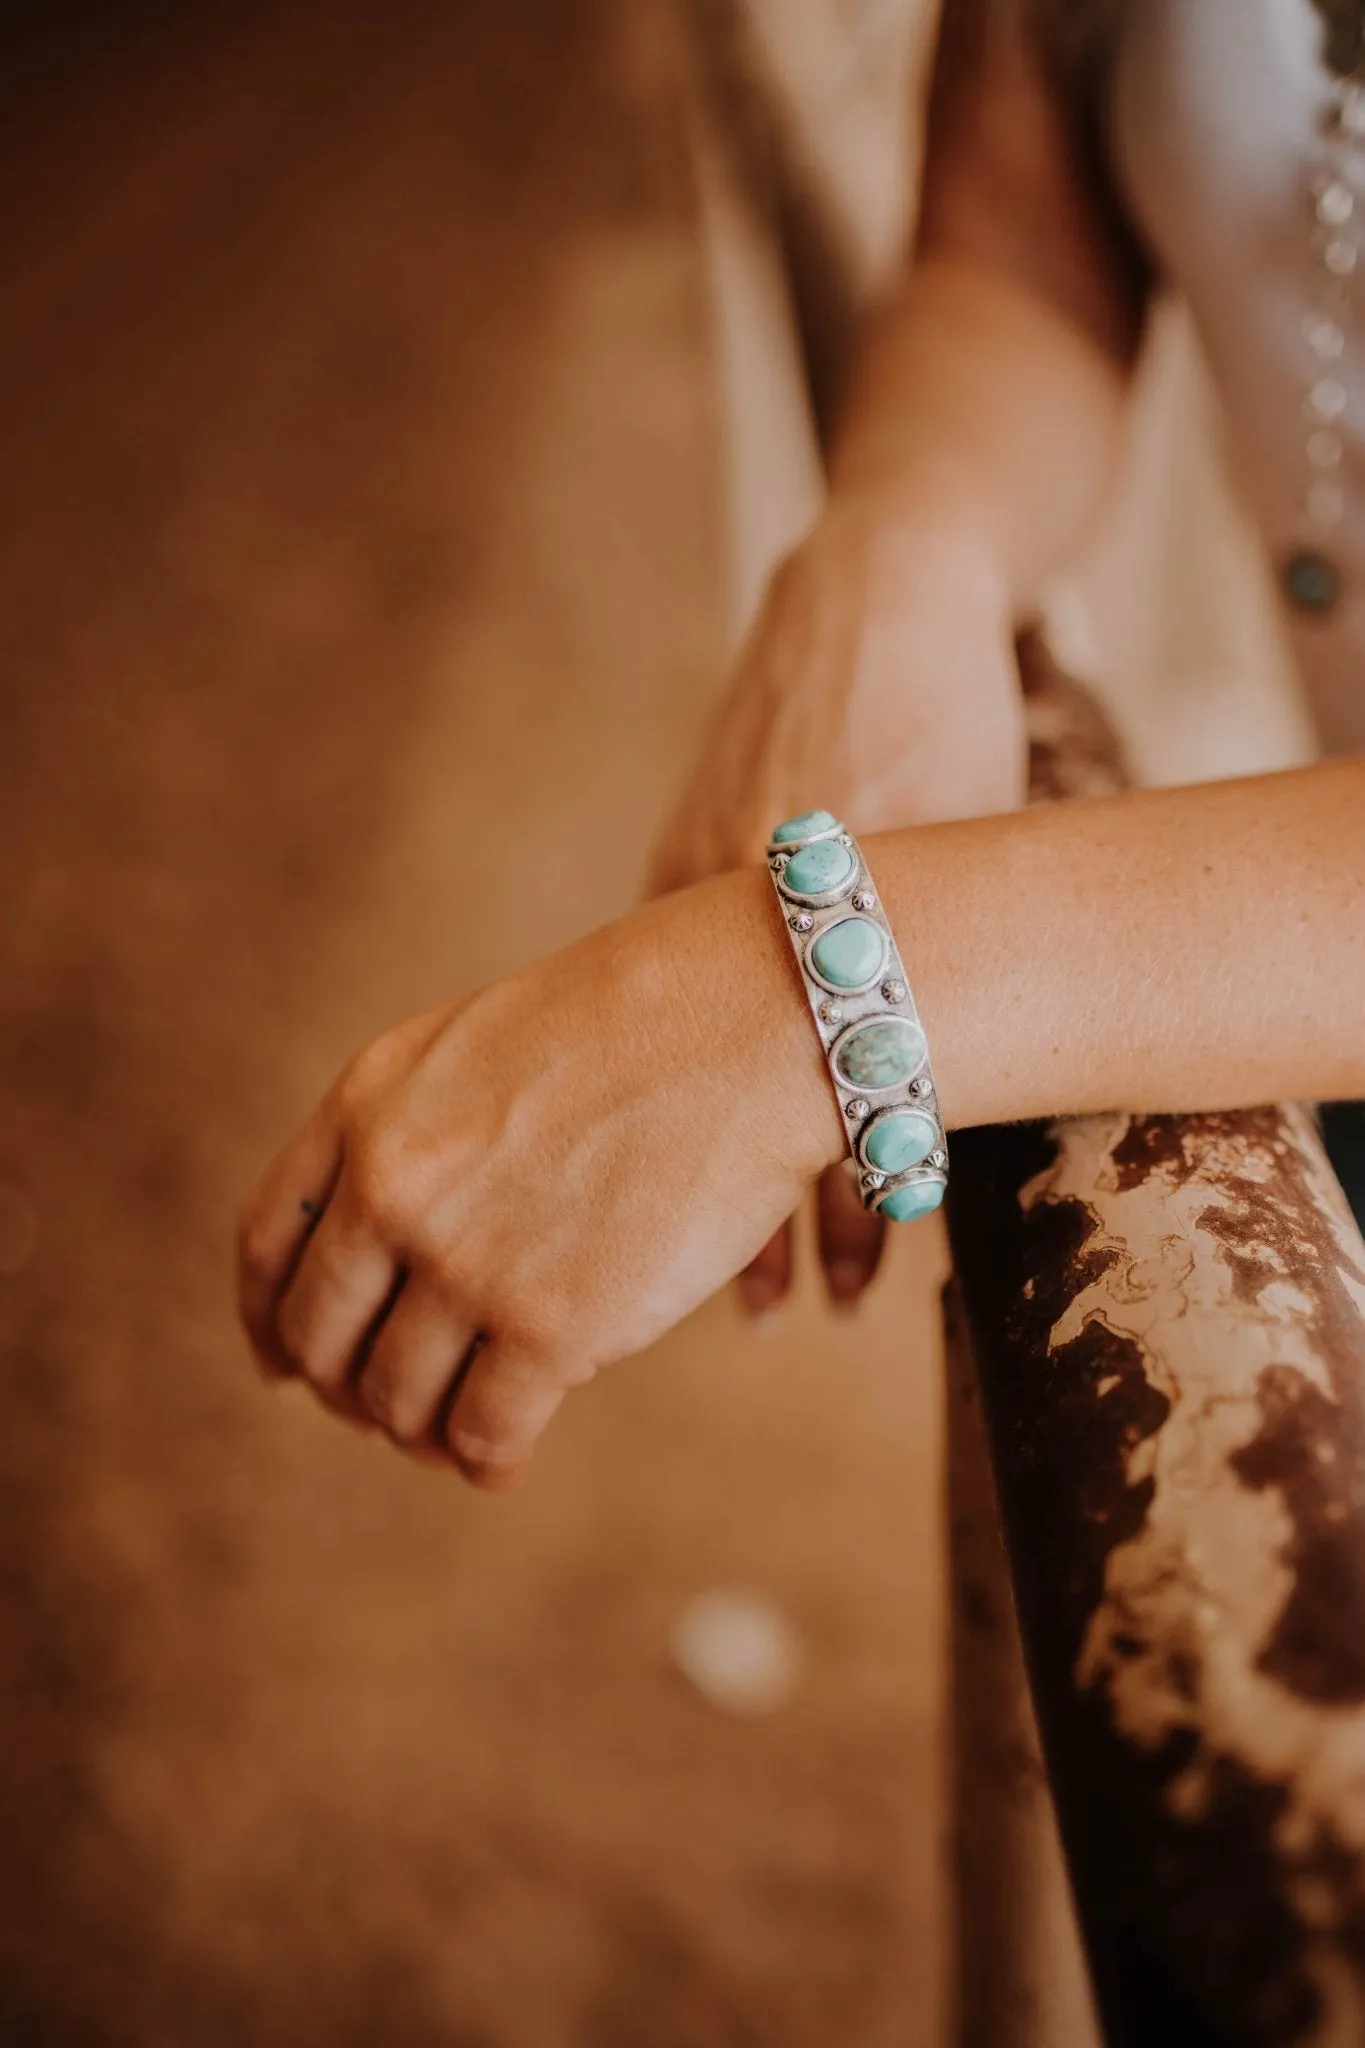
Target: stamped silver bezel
[862, 1023]
[821, 899]
[912, 1106]
[862, 1108]
[835, 988]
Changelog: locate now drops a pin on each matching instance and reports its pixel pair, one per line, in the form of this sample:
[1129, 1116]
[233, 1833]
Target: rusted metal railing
[1166, 1320]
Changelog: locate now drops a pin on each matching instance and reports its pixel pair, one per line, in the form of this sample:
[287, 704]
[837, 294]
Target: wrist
[759, 1032]
[903, 546]
[899, 622]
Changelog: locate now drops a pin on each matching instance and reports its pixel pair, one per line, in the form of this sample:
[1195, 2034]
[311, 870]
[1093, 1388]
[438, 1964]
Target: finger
[503, 1405]
[330, 1310]
[850, 1239]
[277, 1223]
[767, 1280]
[412, 1364]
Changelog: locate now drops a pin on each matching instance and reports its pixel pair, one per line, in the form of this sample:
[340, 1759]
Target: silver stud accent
[777, 861]
[873, 1181]
[924, 1086]
[801, 921]
[1340, 256]
[857, 1108]
[832, 1012]
[1327, 399]
[938, 1157]
[1336, 204]
[894, 991]
[1325, 337]
[863, 899]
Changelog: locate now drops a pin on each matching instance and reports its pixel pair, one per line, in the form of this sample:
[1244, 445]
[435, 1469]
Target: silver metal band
[859, 994]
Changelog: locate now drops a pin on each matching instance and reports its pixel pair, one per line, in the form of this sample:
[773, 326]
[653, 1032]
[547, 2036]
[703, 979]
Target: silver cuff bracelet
[860, 998]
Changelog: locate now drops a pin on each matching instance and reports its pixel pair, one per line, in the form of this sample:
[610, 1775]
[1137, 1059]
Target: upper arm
[1010, 185]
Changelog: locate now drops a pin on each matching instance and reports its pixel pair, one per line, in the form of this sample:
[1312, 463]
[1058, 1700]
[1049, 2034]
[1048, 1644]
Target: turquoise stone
[902, 1204]
[850, 953]
[828, 864]
[903, 1139]
[804, 827]
[881, 1054]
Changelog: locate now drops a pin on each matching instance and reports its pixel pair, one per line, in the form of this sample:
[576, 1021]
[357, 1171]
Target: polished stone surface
[902, 1205]
[904, 1138]
[850, 953]
[803, 825]
[828, 864]
[880, 1054]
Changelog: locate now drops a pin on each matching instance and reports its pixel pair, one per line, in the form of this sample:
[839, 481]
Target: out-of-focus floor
[358, 604]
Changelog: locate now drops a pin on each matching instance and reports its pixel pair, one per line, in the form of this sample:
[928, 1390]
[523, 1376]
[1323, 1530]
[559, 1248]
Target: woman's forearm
[502, 1196]
[989, 393]
[980, 411]
[1184, 949]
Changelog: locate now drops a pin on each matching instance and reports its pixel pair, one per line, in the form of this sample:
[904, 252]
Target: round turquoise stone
[899, 1140]
[804, 826]
[828, 864]
[882, 1053]
[903, 1204]
[850, 953]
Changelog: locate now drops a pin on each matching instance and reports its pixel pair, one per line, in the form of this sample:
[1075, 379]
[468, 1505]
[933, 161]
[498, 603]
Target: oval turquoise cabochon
[902, 1138]
[882, 1053]
[850, 953]
[803, 826]
[825, 864]
[902, 1204]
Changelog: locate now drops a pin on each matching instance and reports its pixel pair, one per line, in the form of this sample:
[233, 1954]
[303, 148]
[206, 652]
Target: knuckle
[569, 1375]
[254, 1247]
[362, 1079]
[398, 1417]
[298, 1341]
[292, 1337]
[378, 1182]
[483, 1464]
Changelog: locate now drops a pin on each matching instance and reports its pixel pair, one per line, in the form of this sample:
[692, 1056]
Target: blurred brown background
[363, 582]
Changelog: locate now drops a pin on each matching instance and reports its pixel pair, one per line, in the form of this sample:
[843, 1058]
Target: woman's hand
[880, 683]
[499, 1197]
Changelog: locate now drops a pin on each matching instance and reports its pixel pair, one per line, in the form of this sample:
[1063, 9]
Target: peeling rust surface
[1166, 1315]
[1310, 1446]
[1167, 1321]
[1312, 1453]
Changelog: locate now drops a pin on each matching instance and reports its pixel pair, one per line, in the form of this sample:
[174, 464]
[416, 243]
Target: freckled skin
[485, 1181]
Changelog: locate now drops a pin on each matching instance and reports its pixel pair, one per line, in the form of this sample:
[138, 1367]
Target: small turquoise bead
[850, 953]
[904, 1138]
[881, 1054]
[828, 864]
[918, 1199]
[804, 827]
